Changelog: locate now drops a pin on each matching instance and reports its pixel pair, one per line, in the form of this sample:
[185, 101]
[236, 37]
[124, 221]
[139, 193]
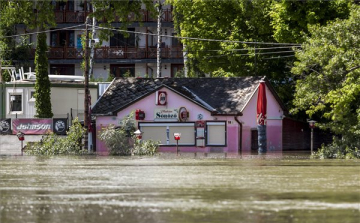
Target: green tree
[328, 73]
[44, 19]
[291, 19]
[9, 49]
[42, 84]
[263, 21]
[233, 20]
[229, 20]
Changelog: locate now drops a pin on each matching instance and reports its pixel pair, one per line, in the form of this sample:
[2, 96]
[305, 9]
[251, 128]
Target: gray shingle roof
[218, 95]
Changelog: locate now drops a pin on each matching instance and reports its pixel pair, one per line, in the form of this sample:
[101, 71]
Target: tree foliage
[291, 19]
[328, 73]
[122, 141]
[53, 144]
[42, 84]
[253, 24]
[230, 20]
[248, 23]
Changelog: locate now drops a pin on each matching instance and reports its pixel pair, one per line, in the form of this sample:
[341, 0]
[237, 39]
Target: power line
[278, 57]
[252, 54]
[168, 36]
[199, 39]
[282, 45]
[45, 31]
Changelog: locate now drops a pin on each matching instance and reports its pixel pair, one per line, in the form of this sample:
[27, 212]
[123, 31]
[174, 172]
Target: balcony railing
[79, 16]
[173, 52]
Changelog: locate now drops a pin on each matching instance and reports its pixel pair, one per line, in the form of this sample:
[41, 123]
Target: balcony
[79, 16]
[172, 52]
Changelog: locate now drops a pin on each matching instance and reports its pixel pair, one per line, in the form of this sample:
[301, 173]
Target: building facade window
[216, 133]
[120, 40]
[62, 38]
[15, 103]
[32, 95]
[164, 132]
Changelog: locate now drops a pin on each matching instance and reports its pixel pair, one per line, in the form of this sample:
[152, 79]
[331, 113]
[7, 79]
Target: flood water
[181, 189]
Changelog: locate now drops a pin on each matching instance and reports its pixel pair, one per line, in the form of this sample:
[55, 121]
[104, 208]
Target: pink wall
[147, 104]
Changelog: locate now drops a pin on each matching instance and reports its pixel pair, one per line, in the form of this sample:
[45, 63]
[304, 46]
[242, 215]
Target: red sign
[200, 124]
[139, 114]
[161, 98]
[32, 126]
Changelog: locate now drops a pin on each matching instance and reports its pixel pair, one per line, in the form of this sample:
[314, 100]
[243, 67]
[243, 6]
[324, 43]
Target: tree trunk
[158, 51]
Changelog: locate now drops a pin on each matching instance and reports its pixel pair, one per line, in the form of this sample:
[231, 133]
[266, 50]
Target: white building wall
[62, 100]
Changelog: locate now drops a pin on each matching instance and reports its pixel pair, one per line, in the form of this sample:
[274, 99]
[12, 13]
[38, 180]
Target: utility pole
[158, 49]
[92, 46]
[86, 90]
[91, 73]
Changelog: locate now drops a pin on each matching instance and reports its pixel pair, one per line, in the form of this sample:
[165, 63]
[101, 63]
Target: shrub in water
[122, 141]
[145, 147]
[53, 144]
[338, 149]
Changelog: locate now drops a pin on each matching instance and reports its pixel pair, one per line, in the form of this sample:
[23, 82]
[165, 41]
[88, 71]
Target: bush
[338, 149]
[53, 144]
[116, 140]
[145, 147]
[122, 141]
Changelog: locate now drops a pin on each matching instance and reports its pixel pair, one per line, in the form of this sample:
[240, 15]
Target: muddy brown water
[168, 188]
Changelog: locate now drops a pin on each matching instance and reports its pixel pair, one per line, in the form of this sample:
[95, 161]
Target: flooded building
[211, 114]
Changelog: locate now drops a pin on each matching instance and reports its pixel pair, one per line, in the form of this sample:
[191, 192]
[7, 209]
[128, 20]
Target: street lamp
[138, 134]
[312, 126]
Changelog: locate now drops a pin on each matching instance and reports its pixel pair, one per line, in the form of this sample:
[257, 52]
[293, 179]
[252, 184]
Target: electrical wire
[199, 39]
[252, 54]
[278, 57]
[282, 45]
[45, 31]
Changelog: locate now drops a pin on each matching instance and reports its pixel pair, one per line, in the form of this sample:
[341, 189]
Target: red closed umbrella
[261, 117]
[261, 105]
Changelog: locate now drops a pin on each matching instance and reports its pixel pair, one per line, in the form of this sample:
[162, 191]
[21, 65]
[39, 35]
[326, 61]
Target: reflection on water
[172, 189]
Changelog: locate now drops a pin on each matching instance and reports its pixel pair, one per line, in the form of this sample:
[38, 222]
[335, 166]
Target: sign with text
[32, 126]
[166, 114]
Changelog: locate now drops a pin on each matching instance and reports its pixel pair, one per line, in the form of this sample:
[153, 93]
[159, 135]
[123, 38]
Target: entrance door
[254, 142]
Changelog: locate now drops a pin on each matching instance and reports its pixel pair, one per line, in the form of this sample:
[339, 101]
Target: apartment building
[134, 55]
